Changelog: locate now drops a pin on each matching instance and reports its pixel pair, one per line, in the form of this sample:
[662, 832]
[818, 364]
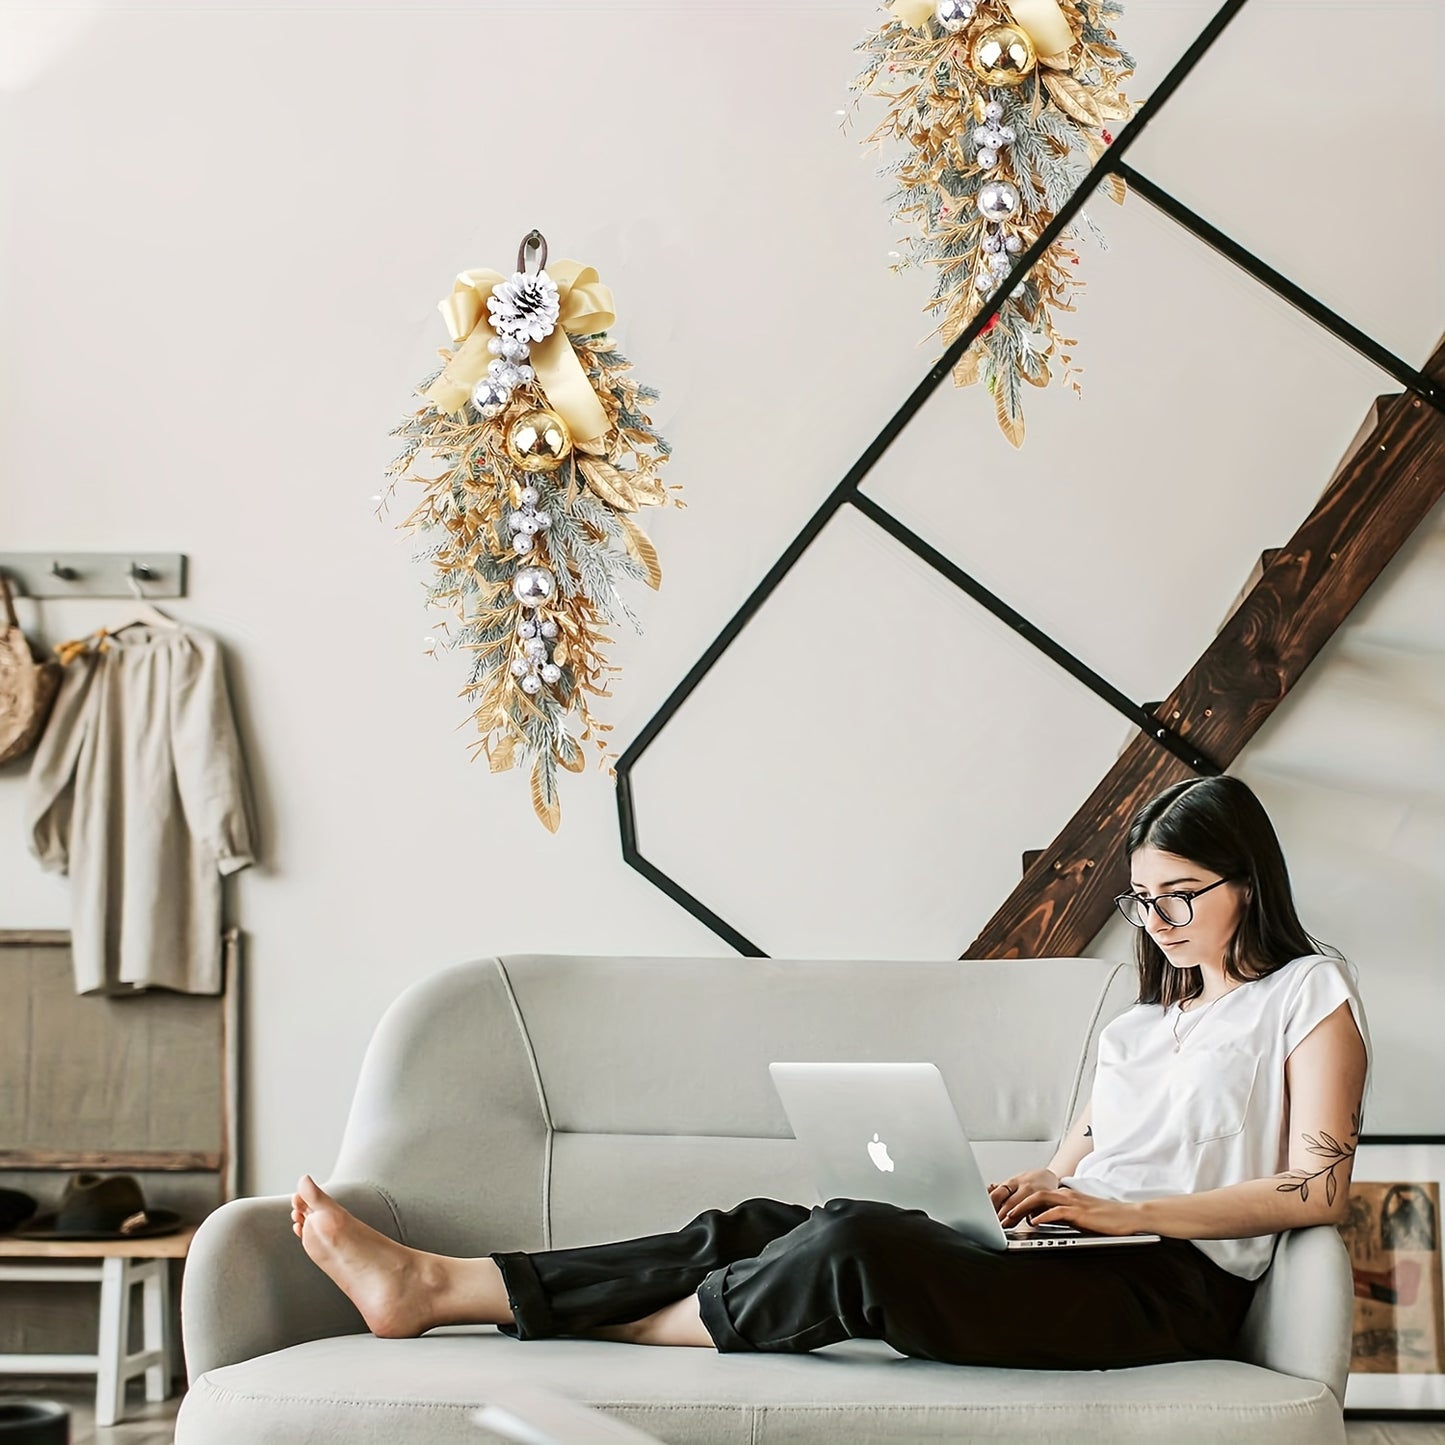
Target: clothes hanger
[145, 615]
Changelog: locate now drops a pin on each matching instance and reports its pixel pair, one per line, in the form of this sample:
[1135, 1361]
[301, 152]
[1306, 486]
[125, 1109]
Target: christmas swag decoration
[1002, 107]
[546, 454]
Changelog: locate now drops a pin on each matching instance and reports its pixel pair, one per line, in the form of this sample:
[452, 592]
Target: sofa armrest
[249, 1288]
[1301, 1319]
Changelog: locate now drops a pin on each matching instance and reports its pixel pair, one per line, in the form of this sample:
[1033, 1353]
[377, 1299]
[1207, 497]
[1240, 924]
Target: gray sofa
[522, 1102]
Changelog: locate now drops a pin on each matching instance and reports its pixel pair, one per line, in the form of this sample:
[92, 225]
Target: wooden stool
[120, 1264]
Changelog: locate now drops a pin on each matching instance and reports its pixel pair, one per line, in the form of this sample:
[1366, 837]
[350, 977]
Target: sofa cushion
[364, 1391]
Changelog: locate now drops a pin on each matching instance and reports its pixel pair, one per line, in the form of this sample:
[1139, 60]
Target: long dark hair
[1219, 823]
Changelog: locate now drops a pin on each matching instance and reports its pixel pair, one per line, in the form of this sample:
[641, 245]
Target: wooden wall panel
[94, 1077]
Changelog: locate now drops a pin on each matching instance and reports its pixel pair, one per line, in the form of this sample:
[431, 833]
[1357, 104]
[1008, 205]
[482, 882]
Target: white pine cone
[525, 307]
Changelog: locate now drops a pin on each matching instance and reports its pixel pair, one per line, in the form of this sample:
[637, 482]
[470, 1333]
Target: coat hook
[141, 572]
[66, 574]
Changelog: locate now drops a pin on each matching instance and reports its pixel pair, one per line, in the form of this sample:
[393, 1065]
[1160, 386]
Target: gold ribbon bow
[912, 12]
[1044, 23]
[1041, 20]
[585, 307]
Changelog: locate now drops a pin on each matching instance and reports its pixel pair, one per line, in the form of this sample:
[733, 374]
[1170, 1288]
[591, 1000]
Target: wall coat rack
[95, 574]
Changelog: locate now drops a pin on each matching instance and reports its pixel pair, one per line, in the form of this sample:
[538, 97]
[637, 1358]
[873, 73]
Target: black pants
[773, 1276]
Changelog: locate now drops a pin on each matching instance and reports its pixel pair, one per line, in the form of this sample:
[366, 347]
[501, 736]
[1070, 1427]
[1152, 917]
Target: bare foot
[391, 1285]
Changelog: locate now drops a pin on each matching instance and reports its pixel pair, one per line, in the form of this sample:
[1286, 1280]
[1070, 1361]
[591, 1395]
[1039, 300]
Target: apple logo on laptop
[878, 1153]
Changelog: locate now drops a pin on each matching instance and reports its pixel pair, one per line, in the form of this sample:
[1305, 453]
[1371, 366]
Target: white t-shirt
[1214, 1112]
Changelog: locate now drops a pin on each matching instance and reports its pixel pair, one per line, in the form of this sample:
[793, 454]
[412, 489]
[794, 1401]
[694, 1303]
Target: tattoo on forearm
[1325, 1147]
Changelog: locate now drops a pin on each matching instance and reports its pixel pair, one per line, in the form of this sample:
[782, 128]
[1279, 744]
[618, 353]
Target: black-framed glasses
[1175, 909]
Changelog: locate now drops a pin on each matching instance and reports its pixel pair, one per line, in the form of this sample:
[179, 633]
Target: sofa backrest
[529, 1102]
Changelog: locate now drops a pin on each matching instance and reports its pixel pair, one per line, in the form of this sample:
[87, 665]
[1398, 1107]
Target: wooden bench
[144, 1085]
[119, 1264]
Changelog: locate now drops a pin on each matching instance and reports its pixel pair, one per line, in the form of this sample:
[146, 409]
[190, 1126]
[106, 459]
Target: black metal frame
[848, 492]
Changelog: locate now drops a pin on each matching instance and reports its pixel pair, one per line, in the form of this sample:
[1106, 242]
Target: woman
[1225, 1109]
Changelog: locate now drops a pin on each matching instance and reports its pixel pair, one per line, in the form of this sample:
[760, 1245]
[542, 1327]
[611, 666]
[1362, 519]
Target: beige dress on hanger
[138, 791]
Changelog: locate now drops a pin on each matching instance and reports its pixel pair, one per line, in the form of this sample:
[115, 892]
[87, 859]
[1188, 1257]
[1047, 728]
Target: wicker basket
[27, 687]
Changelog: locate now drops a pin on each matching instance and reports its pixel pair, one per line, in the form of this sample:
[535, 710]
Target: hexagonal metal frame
[848, 492]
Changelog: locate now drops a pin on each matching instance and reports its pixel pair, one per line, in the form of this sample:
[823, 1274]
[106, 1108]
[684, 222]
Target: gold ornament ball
[538, 441]
[1002, 55]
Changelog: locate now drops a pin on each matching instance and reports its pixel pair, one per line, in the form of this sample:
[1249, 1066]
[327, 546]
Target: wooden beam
[1065, 897]
[1377, 498]
[1307, 592]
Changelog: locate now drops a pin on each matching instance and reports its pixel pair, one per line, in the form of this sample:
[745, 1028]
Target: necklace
[1179, 1014]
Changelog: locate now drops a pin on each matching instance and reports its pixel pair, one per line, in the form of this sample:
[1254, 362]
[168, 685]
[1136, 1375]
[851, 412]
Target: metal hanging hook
[534, 241]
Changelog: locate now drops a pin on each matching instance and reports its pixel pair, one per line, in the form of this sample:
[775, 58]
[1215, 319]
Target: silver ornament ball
[549, 629]
[531, 683]
[990, 244]
[513, 348]
[488, 397]
[522, 543]
[520, 665]
[537, 650]
[496, 346]
[993, 111]
[551, 673]
[533, 586]
[544, 520]
[953, 15]
[1013, 245]
[527, 628]
[997, 200]
[530, 496]
[987, 158]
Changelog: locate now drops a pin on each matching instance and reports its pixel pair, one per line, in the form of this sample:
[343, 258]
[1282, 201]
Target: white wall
[225, 230]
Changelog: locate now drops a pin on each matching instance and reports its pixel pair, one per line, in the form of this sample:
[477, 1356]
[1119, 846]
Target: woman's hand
[1069, 1206]
[1003, 1195]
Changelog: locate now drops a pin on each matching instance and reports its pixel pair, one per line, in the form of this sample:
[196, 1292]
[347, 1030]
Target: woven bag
[27, 687]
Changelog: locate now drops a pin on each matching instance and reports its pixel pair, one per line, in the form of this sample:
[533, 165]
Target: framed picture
[1393, 1234]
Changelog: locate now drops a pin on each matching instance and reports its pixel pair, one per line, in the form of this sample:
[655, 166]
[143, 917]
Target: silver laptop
[890, 1132]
